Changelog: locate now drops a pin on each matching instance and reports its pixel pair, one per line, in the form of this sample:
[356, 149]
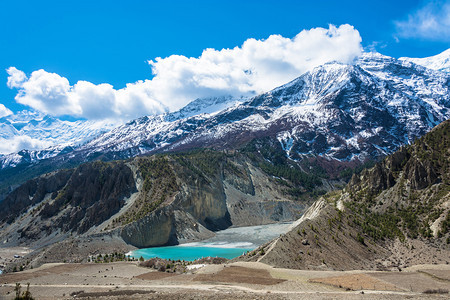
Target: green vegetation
[157, 169]
[22, 295]
[418, 192]
[268, 155]
[159, 185]
[108, 258]
[202, 162]
[294, 175]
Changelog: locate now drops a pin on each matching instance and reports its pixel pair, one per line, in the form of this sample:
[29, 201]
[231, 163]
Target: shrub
[360, 239]
[436, 291]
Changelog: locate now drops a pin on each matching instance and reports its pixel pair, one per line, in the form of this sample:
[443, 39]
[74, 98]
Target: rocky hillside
[157, 200]
[393, 215]
[58, 204]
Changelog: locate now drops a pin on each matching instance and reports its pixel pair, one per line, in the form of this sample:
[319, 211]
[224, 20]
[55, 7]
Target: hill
[393, 215]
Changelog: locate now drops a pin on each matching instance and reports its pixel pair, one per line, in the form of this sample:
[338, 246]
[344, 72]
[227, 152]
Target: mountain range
[45, 130]
[44, 136]
[344, 113]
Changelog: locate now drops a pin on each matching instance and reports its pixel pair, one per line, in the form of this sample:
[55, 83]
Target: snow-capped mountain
[339, 111]
[209, 105]
[47, 128]
[53, 137]
[440, 62]
[40, 136]
[152, 133]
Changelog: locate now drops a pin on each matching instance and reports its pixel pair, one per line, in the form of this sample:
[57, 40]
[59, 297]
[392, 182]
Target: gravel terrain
[239, 280]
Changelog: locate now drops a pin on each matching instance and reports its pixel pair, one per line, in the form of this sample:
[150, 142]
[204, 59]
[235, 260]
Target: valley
[334, 184]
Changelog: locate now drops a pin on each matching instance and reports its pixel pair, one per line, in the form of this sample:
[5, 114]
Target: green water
[188, 253]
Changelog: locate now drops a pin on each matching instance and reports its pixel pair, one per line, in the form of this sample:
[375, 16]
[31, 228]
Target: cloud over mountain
[21, 142]
[256, 66]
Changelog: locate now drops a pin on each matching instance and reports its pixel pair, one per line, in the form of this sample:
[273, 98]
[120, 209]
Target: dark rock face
[153, 230]
[421, 174]
[69, 200]
[95, 191]
[378, 179]
[204, 199]
[31, 193]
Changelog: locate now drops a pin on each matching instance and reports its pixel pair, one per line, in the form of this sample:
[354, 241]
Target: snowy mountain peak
[439, 62]
[307, 88]
[208, 105]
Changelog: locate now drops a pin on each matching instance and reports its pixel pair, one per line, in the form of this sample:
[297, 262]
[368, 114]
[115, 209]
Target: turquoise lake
[228, 243]
[188, 253]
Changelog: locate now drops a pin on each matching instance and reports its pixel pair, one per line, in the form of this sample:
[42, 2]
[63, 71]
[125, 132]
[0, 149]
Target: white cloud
[15, 78]
[21, 142]
[257, 66]
[430, 22]
[52, 94]
[49, 93]
[4, 111]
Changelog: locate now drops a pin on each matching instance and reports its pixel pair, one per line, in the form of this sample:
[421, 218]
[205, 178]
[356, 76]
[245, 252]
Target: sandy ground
[242, 280]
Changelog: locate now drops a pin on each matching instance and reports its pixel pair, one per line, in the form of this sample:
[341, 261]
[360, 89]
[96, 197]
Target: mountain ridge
[45, 132]
[404, 75]
[312, 99]
[439, 62]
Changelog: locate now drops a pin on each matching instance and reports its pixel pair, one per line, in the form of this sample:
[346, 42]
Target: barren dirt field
[242, 280]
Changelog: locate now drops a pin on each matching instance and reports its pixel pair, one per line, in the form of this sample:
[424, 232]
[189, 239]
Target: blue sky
[112, 41]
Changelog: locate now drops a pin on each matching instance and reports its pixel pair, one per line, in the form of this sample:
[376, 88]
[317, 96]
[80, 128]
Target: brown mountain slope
[393, 215]
[147, 201]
